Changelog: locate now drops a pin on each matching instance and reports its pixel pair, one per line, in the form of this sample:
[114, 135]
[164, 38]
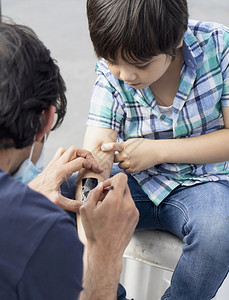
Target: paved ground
[62, 26]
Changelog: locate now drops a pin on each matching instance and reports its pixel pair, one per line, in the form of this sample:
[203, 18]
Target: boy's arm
[139, 154]
[205, 149]
[94, 138]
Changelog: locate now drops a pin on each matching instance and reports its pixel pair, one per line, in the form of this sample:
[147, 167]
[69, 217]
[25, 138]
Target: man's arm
[109, 219]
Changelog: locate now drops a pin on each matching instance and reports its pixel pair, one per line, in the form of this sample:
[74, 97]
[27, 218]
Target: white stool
[148, 263]
[157, 248]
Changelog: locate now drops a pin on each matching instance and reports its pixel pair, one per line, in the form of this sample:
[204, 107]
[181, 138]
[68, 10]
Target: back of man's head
[136, 29]
[30, 82]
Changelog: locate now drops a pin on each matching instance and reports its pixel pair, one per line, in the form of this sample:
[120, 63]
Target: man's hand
[109, 220]
[62, 166]
[134, 155]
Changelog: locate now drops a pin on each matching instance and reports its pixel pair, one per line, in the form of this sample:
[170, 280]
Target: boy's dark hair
[30, 82]
[136, 29]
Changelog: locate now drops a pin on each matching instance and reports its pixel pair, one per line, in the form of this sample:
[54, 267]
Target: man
[40, 253]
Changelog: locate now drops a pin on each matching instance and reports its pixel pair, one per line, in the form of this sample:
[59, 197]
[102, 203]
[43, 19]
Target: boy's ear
[48, 119]
[180, 44]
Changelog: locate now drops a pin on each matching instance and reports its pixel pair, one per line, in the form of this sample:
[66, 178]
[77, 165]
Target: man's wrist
[99, 258]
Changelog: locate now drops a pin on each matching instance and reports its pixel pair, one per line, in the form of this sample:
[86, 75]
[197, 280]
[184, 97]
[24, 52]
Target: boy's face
[140, 75]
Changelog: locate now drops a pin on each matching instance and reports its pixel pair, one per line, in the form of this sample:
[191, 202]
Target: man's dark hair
[30, 82]
[136, 29]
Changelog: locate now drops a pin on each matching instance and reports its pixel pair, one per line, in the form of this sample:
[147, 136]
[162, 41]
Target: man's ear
[48, 119]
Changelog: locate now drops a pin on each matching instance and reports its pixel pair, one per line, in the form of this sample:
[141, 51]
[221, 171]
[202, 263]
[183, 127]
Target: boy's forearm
[205, 149]
[105, 162]
[86, 174]
[93, 140]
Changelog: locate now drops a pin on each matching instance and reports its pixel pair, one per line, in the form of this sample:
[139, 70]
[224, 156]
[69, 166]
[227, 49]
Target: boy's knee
[211, 236]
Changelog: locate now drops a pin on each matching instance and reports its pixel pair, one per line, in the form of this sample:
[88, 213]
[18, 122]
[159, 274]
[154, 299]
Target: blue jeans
[198, 215]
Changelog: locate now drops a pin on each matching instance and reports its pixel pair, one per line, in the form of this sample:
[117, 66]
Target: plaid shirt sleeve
[106, 109]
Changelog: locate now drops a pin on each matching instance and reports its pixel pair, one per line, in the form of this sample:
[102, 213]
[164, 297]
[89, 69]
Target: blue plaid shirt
[203, 90]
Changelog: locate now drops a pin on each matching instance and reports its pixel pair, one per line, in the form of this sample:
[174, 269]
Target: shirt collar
[192, 51]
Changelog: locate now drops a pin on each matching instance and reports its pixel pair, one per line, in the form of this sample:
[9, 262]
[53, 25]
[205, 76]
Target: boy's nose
[127, 75]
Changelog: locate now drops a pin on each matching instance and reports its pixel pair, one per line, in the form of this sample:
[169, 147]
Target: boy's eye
[142, 67]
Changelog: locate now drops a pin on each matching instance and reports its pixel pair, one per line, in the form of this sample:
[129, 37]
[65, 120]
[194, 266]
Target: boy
[163, 91]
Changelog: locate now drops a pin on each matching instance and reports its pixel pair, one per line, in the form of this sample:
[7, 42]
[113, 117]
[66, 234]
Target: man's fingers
[71, 153]
[84, 153]
[112, 147]
[69, 204]
[119, 181]
[80, 162]
[76, 158]
[91, 165]
[81, 155]
[58, 153]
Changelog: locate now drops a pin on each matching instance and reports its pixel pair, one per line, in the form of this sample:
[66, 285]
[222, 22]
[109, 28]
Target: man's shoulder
[19, 199]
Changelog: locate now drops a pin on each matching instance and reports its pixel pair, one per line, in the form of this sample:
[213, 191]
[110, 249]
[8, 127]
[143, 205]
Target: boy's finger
[112, 147]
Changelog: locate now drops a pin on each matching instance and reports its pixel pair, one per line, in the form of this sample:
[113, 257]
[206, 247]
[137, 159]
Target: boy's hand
[134, 155]
[62, 166]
